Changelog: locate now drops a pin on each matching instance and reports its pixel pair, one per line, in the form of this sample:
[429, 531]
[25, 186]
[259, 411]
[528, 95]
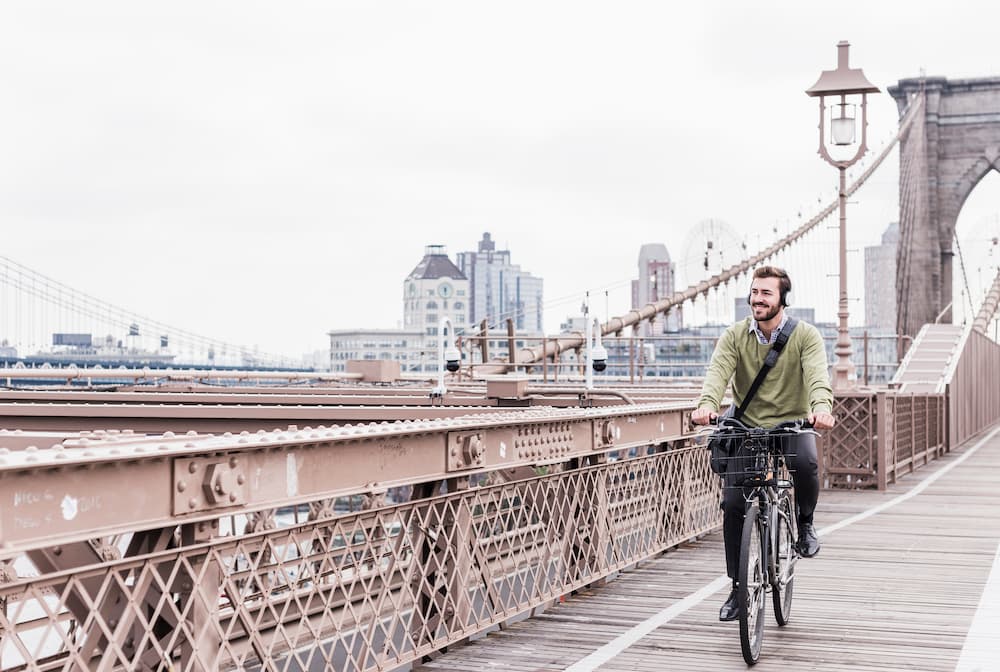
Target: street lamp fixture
[840, 93]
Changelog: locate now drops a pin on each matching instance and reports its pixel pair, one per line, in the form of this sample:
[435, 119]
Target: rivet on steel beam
[189, 444]
[232, 496]
[168, 435]
[192, 503]
[192, 467]
[31, 449]
[227, 435]
[190, 432]
[164, 446]
[243, 439]
[240, 479]
[244, 433]
[181, 486]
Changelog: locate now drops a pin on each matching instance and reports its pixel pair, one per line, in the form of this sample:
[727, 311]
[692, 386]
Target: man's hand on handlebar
[703, 416]
[821, 420]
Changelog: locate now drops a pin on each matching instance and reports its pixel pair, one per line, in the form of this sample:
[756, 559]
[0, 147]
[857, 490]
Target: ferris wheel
[709, 247]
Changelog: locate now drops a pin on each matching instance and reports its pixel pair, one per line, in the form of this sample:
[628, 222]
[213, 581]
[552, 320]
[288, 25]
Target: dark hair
[784, 282]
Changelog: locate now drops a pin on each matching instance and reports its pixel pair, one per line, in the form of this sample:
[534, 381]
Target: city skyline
[240, 174]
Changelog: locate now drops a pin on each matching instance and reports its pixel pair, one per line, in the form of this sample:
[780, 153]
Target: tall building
[434, 290]
[500, 289]
[880, 282]
[656, 281]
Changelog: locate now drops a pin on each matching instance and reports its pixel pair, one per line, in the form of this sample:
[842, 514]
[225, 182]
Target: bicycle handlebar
[789, 426]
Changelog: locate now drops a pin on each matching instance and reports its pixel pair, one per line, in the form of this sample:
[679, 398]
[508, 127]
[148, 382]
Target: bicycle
[768, 551]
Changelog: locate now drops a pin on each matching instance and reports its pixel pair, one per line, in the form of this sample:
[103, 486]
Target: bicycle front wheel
[752, 586]
[784, 562]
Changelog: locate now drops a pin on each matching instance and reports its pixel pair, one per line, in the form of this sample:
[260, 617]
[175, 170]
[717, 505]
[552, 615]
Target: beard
[770, 314]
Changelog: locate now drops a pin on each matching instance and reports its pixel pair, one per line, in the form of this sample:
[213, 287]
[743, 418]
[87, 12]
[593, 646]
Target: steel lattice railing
[881, 435]
[365, 591]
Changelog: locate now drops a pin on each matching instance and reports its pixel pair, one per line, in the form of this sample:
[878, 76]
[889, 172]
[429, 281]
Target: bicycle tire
[752, 586]
[785, 558]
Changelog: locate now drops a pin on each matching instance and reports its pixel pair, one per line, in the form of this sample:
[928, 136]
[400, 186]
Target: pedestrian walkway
[903, 582]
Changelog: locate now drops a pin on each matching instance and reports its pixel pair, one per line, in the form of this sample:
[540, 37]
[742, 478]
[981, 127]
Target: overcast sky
[264, 172]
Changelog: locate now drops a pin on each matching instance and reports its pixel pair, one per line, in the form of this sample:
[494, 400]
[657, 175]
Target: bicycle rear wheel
[752, 586]
[785, 558]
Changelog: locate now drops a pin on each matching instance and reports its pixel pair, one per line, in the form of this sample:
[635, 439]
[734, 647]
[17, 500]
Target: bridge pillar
[940, 165]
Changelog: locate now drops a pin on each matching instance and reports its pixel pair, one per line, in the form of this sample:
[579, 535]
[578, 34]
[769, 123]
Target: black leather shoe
[808, 541]
[730, 610]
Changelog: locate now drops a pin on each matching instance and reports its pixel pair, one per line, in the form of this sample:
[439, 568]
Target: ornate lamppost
[846, 88]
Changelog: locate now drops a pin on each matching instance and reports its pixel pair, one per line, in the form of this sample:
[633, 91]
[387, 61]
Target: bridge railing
[881, 435]
[973, 388]
[368, 591]
[232, 552]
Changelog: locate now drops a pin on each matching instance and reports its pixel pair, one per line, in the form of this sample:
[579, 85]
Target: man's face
[765, 298]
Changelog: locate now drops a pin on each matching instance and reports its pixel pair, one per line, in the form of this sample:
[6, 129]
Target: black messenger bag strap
[769, 362]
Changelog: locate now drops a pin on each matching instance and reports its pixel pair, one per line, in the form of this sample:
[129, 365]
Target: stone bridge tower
[961, 138]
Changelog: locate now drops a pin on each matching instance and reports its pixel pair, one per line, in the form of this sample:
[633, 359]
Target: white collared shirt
[774, 334]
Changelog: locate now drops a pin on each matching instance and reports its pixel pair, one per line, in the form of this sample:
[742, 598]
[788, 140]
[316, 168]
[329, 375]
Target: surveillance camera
[452, 359]
[599, 358]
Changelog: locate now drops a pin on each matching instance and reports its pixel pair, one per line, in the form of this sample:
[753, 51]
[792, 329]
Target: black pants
[800, 455]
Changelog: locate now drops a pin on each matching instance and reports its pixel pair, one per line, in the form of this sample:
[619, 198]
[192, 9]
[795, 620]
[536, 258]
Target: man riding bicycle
[798, 386]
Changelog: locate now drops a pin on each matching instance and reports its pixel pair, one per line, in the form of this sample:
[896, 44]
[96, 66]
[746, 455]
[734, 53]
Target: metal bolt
[181, 486]
[192, 467]
[192, 503]
[240, 479]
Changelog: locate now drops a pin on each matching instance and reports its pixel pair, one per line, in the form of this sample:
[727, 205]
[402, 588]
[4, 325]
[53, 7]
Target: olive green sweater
[797, 385]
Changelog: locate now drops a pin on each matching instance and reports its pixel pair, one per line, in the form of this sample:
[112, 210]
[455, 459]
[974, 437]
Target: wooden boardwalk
[897, 589]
